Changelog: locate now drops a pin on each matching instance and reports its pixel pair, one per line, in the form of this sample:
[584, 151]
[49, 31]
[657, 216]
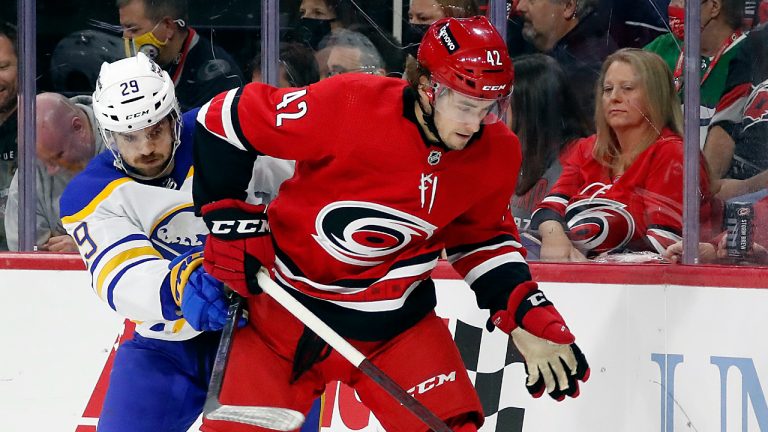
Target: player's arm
[237, 127]
[127, 272]
[483, 246]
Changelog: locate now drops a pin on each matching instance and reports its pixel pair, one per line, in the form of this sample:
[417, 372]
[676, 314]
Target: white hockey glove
[553, 361]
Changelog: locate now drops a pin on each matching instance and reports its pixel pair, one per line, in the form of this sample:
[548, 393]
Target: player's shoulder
[98, 179]
[363, 88]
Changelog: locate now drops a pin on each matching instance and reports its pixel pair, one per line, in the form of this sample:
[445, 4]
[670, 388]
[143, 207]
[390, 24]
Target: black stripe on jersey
[355, 283]
[372, 326]
[494, 287]
[542, 215]
[221, 169]
[236, 122]
[462, 249]
[669, 229]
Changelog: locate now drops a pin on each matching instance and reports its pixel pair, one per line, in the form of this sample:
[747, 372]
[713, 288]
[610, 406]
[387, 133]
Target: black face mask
[311, 31]
[412, 35]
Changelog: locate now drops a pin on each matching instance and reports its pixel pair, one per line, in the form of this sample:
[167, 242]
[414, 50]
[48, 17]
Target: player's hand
[553, 361]
[61, 243]
[239, 244]
[201, 298]
[556, 368]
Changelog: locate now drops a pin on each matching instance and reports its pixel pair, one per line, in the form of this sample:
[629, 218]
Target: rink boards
[671, 348]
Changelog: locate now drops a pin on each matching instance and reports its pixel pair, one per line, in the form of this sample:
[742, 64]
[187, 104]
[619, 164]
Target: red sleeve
[283, 123]
[484, 247]
[663, 195]
[570, 182]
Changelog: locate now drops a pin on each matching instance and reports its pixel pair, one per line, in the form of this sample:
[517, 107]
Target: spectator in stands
[8, 119]
[716, 249]
[622, 188]
[67, 139]
[421, 14]
[350, 51]
[318, 18]
[158, 28]
[736, 148]
[548, 120]
[720, 36]
[634, 25]
[298, 67]
[571, 32]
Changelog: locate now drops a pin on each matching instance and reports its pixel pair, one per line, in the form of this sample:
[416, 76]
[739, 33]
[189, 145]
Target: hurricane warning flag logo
[756, 108]
[365, 234]
[599, 225]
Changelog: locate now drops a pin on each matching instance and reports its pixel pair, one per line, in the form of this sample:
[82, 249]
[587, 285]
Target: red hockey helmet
[469, 56]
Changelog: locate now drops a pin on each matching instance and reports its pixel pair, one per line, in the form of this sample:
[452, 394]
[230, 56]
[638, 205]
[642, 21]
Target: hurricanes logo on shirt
[756, 108]
[365, 234]
[599, 225]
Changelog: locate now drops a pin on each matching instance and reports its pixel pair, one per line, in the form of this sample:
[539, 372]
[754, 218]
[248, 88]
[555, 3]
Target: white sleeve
[127, 271]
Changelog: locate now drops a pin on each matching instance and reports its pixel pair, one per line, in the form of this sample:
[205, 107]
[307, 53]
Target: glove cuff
[181, 271]
[510, 318]
[233, 219]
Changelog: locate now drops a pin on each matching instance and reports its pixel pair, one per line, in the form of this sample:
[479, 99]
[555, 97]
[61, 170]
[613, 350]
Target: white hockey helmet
[132, 94]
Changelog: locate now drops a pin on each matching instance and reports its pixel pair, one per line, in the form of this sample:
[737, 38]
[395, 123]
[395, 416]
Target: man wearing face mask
[159, 29]
[720, 36]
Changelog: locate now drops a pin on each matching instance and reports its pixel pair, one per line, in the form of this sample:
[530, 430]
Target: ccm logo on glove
[253, 226]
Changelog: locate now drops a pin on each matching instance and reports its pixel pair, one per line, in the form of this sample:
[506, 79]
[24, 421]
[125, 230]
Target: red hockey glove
[239, 244]
[552, 359]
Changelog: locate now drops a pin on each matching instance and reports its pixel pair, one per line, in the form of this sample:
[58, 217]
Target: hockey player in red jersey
[388, 173]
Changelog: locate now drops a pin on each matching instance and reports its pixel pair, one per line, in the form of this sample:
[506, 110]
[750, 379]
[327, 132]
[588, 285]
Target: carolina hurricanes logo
[756, 109]
[599, 225]
[363, 233]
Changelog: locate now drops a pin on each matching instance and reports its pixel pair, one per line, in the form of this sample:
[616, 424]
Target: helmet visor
[462, 108]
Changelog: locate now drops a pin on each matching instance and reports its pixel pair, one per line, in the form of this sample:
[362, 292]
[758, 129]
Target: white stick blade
[281, 419]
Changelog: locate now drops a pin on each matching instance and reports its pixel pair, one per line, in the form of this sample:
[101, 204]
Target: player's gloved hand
[552, 360]
[239, 243]
[201, 298]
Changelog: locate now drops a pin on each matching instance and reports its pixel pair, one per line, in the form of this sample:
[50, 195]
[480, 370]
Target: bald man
[67, 139]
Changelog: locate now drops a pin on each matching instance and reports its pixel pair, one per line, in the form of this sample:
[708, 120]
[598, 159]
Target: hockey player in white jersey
[130, 212]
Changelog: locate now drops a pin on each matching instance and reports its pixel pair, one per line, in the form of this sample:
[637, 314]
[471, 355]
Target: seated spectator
[298, 67]
[199, 69]
[720, 249]
[621, 190]
[388, 47]
[76, 60]
[736, 148]
[67, 139]
[571, 32]
[350, 51]
[548, 120]
[637, 25]
[720, 36]
[318, 18]
[8, 119]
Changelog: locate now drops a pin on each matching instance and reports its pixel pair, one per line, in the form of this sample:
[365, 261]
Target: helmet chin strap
[429, 122]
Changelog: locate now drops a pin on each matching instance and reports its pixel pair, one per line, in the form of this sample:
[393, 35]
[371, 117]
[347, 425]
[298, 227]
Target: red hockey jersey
[640, 210]
[360, 226]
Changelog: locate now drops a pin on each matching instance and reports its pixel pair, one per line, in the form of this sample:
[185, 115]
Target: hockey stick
[349, 352]
[282, 419]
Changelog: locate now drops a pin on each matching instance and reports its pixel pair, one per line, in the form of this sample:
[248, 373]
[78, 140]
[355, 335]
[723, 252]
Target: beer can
[739, 217]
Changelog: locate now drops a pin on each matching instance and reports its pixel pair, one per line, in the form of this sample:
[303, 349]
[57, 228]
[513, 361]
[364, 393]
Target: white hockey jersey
[128, 231]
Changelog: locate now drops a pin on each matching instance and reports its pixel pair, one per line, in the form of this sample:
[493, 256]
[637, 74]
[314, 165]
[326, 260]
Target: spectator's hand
[730, 188]
[61, 243]
[707, 253]
[555, 244]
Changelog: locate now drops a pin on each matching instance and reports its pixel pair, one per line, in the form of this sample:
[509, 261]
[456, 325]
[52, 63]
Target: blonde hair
[663, 110]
